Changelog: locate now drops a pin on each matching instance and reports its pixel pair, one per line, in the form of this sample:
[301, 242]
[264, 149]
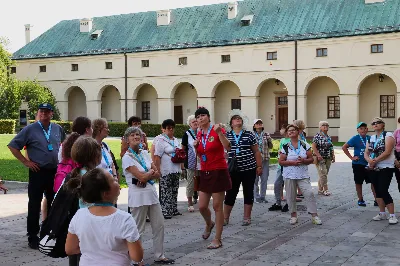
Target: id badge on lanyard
[47, 136]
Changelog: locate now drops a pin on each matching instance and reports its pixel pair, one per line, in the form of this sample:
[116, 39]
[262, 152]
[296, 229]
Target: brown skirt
[215, 181]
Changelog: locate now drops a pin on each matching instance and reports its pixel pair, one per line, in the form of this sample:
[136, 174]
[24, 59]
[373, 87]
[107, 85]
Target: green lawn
[11, 169]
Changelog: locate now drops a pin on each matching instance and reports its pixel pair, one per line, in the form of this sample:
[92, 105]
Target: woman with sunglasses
[379, 154]
[294, 158]
[323, 150]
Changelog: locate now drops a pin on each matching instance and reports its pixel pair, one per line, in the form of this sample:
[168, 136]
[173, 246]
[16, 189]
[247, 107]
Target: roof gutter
[126, 87]
[295, 80]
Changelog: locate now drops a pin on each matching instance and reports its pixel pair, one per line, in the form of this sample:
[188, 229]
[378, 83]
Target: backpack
[54, 230]
[63, 169]
[286, 146]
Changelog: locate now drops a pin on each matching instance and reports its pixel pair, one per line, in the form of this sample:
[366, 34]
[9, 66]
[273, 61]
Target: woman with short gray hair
[140, 173]
[191, 164]
[323, 150]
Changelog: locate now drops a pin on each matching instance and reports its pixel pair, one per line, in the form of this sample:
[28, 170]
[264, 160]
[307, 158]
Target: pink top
[396, 136]
[63, 169]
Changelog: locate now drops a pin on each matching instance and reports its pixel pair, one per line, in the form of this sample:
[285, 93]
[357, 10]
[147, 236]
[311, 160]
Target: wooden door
[282, 117]
[178, 114]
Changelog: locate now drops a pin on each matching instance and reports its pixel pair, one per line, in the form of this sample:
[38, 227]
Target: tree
[13, 91]
[35, 94]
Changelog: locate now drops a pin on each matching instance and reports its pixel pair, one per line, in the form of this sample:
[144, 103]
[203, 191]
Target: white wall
[76, 103]
[369, 100]
[147, 93]
[225, 92]
[186, 97]
[317, 105]
[110, 104]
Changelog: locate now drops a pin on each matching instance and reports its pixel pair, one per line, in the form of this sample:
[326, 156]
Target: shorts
[360, 174]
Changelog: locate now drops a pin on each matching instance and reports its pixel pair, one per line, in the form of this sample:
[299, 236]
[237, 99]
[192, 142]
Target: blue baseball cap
[46, 106]
[361, 124]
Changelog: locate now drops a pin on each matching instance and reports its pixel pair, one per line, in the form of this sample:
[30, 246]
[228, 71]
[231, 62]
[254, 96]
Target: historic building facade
[342, 75]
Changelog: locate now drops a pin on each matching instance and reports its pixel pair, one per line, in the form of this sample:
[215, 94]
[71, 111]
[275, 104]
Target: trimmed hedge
[7, 126]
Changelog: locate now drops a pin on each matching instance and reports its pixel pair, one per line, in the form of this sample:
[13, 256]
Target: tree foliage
[13, 91]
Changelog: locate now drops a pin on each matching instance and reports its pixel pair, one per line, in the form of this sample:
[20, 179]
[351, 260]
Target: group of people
[217, 160]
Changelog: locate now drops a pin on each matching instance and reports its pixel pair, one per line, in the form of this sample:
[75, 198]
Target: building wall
[110, 104]
[76, 104]
[186, 96]
[348, 64]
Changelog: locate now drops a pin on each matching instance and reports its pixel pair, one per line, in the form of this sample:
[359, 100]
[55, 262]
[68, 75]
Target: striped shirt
[245, 158]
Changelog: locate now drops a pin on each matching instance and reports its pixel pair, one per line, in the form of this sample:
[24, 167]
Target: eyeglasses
[292, 130]
[324, 125]
[376, 123]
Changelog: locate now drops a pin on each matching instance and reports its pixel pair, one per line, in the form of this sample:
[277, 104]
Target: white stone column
[301, 108]
[165, 109]
[348, 116]
[208, 102]
[122, 101]
[250, 107]
[63, 108]
[397, 104]
[291, 108]
[132, 103]
[93, 109]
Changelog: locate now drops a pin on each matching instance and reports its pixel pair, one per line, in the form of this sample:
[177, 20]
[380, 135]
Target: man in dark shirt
[42, 140]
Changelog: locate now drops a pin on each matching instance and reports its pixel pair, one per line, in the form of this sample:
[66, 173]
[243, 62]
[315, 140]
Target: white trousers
[157, 225]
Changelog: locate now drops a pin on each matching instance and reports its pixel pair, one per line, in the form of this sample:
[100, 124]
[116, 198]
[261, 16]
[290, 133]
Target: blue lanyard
[103, 204]
[297, 151]
[140, 158]
[378, 139]
[237, 138]
[172, 143]
[302, 137]
[204, 140]
[106, 159]
[260, 141]
[327, 137]
[46, 134]
[193, 133]
[362, 140]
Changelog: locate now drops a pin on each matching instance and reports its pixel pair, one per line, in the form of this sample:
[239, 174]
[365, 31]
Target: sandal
[246, 222]
[215, 246]
[226, 222]
[190, 209]
[327, 193]
[321, 192]
[164, 261]
[206, 234]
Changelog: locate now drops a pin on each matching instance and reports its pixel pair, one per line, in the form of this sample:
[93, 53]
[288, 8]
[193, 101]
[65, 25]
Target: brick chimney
[232, 10]
[163, 17]
[86, 25]
[374, 1]
[28, 33]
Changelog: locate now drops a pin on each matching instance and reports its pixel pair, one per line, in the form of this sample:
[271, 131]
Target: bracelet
[259, 167]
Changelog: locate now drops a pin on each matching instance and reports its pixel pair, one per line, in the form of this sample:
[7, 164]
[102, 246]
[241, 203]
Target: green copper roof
[207, 26]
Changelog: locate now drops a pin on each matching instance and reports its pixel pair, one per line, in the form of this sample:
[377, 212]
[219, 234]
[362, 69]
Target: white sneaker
[393, 220]
[293, 220]
[191, 209]
[316, 220]
[380, 217]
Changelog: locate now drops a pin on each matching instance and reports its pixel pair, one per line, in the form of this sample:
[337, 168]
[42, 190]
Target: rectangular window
[145, 110]
[236, 104]
[377, 48]
[183, 61]
[225, 58]
[333, 107]
[321, 52]
[272, 55]
[13, 70]
[42, 68]
[108, 65]
[282, 100]
[145, 63]
[74, 67]
[387, 106]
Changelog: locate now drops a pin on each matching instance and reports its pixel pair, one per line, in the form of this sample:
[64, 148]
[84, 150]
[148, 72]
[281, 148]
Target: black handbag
[232, 164]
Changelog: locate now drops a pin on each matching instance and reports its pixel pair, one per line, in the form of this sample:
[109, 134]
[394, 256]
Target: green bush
[7, 126]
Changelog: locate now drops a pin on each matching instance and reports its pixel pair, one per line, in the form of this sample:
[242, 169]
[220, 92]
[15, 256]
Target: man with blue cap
[42, 140]
[359, 164]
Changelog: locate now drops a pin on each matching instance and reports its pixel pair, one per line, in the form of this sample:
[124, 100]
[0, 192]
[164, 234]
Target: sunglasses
[376, 123]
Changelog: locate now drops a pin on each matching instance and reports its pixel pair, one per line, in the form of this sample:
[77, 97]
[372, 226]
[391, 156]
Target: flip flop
[206, 234]
[215, 246]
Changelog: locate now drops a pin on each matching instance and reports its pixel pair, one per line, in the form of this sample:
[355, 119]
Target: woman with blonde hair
[323, 149]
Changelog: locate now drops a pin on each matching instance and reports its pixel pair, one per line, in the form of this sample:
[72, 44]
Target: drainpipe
[126, 87]
[295, 80]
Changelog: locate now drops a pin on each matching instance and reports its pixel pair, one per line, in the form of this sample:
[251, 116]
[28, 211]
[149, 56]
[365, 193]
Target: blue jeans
[260, 191]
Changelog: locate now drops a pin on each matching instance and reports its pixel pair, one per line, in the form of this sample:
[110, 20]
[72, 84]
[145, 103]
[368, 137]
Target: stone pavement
[348, 236]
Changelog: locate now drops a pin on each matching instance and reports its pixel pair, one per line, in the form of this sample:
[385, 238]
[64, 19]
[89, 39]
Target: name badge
[237, 151]
[50, 147]
[204, 158]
